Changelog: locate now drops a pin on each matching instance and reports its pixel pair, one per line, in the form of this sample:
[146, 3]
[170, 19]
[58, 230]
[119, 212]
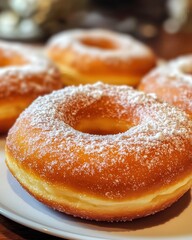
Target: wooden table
[169, 46]
[10, 230]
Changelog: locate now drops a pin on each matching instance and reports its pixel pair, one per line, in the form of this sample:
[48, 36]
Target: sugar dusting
[37, 74]
[47, 130]
[127, 47]
[172, 82]
[179, 71]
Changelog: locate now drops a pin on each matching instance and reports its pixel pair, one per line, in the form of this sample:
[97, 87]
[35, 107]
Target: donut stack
[101, 150]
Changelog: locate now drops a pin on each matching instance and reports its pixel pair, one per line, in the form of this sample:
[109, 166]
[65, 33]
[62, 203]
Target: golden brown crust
[77, 203]
[172, 83]
[81, 56]
[24, 75]
[57, 155]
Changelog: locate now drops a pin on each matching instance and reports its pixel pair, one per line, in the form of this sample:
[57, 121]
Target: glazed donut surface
[172, 83]
[102, 152]
[24, 75]
[86, 56]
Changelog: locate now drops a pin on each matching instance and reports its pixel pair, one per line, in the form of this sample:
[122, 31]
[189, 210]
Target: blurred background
[165, 25]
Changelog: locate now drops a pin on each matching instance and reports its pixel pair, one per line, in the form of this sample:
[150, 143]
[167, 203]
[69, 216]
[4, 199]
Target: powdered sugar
[179, 71]
[123, 161]
[32, 73]
[172, 82]
[125, 46]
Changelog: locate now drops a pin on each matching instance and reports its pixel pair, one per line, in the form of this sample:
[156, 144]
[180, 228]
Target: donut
[102, 152]
[24, 75]
[88, 56]
[172, 82]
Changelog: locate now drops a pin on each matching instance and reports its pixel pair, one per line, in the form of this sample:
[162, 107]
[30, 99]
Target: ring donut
[172, 83]
[86, 56]
[102, 152]
[24, 75]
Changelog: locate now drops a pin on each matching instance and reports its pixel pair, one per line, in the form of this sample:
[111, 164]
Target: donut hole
[187, 69]
[105, 116]
[101, 43]
[102, 126]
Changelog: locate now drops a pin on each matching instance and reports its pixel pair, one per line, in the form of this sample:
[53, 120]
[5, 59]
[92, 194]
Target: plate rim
[43, 227]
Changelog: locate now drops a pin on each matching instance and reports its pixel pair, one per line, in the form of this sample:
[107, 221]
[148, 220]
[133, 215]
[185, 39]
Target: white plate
[16, 204]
